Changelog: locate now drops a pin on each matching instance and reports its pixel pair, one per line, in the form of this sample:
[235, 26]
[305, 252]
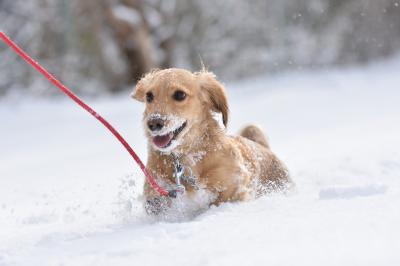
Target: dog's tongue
[162, 141]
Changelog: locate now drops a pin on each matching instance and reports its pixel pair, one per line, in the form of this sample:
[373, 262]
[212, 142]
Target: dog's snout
[155, 124]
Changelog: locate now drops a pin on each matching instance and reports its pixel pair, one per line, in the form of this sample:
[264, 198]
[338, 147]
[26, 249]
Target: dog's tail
[255, 134]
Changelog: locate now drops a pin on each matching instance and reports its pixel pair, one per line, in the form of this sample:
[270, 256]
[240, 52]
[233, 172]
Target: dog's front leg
[154, 204]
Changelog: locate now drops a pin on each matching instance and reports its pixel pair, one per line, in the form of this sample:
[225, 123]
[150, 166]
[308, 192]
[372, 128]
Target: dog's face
[177, 103]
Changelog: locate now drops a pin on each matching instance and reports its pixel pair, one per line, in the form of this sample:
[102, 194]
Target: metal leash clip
[179, 175]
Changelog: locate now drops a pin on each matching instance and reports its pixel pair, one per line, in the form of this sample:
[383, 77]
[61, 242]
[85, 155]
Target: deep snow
[69, 192]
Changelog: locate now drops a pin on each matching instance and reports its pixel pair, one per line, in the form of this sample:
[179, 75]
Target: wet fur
[233, 168]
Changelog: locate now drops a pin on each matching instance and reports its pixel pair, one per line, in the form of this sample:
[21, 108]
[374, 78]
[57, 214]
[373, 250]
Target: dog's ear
[214, 93]
[139, 92]
[140, 88]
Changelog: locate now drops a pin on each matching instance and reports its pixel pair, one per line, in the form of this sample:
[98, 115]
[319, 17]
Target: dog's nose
[155, 124]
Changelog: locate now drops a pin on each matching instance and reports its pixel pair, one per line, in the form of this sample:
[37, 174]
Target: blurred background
[105, 46]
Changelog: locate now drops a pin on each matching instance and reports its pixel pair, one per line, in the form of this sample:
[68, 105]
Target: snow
[70, 194]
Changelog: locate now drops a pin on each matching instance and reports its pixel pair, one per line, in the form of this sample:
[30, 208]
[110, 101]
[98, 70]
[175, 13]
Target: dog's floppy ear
[138, 92]
[215, 94]
[140, 88]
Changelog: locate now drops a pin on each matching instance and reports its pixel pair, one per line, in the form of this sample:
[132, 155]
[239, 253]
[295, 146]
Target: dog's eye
[149, 97]
[179, 95]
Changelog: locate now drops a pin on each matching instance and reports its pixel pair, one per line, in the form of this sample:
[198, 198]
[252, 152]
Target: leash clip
[179, 174]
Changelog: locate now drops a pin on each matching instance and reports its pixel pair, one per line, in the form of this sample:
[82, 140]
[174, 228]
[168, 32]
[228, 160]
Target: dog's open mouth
[163, 141]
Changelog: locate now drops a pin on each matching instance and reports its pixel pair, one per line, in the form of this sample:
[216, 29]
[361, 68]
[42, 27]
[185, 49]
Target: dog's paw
[155, 206]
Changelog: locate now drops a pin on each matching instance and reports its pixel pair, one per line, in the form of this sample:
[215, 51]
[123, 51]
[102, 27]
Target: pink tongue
[163, 141]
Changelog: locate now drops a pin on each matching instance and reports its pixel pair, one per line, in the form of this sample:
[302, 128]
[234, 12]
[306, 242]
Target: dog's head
[178, 103]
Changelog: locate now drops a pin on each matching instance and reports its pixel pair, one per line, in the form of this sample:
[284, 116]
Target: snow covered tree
[106, 45]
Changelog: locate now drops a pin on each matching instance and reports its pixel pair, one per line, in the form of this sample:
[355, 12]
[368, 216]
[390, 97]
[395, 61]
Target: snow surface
[69, 193]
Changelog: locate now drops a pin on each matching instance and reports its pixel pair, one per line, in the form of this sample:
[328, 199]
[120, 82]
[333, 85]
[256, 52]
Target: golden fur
[231, 167]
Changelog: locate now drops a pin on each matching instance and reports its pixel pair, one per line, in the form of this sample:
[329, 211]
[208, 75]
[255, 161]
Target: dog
[180, 122]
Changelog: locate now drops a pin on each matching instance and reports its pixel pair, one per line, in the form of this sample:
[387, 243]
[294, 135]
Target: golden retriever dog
[181, 126]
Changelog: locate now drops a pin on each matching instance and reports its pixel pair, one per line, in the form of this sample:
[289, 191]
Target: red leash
[76, 99]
